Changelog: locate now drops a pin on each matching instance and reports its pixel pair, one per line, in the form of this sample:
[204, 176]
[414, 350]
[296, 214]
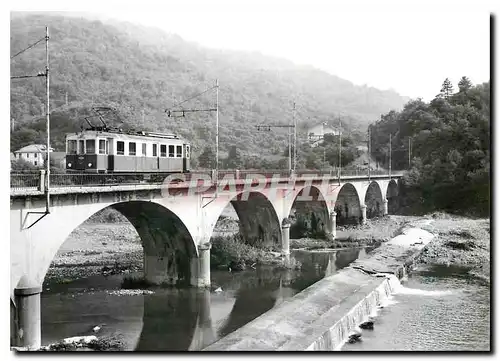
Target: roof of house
[34, 148]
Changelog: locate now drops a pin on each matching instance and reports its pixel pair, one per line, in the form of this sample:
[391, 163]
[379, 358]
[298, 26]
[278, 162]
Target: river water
[440, 309]
[179, 319]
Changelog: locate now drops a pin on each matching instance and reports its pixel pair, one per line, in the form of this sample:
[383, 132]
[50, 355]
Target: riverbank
[459, 242]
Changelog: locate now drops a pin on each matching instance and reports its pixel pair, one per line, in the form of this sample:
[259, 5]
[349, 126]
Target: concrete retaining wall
[323, 315]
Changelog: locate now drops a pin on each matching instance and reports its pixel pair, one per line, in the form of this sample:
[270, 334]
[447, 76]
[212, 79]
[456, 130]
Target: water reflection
[182, 319]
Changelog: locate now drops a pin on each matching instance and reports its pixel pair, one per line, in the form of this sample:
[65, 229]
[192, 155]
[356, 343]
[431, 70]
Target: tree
[233, 160]
[207, 158]
[447, 88]
[464, 84]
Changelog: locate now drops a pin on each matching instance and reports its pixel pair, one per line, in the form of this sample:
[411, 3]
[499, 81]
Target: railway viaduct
[175, 221]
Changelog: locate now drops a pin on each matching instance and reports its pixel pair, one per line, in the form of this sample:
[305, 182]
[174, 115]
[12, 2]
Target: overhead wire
[29, 47]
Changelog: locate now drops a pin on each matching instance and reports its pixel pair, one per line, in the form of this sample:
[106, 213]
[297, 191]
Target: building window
[171, 151]
[131, 148]
[120, 148]
[27, 155]
[163, 150]
[102, 146]
[36, 162]
[144, 149]
[71, 147]
[155, 150]
[179, 151]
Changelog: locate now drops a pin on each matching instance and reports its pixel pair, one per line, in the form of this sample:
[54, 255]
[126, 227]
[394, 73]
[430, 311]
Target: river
[440, 309]
[179, 319]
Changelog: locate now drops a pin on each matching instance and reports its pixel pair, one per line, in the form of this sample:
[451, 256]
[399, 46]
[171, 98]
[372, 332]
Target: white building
[317, 132]
[34, 153]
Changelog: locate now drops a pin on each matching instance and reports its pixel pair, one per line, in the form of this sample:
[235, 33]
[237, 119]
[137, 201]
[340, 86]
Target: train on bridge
[102, 149]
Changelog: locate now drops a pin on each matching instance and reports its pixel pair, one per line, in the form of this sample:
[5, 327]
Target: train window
[144, 149]
[120, 148]
[179, 151]
[131, 148]
[90, 146]
[171, 151]
[107, 147]
[187, 151]
[71, 147]
[155, 150]
[102, 146]
[163, 150]
[81, 147]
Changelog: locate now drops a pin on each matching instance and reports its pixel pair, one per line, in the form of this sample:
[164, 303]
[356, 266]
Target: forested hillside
[450, 148]
[140, 71]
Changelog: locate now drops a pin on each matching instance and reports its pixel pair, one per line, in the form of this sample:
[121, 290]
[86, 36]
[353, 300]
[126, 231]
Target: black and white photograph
[218, 176]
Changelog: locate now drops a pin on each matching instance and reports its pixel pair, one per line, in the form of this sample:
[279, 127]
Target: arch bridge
[175, 220]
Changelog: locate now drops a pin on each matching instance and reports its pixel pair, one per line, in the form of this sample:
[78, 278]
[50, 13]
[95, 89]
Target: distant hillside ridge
[141, 71]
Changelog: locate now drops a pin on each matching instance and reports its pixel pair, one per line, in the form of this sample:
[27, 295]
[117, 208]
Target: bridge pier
[28, 328]
[333, 224]
[285, 238]
[363, 213]
[200, 267]
[386, 207]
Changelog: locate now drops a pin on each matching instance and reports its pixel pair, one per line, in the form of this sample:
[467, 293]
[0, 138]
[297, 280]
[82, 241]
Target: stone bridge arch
[348, 206]
[374, 201]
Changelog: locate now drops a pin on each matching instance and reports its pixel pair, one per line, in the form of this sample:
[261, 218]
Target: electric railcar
[104, 150]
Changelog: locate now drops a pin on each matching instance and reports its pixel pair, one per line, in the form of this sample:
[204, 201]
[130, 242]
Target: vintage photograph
[250, 176]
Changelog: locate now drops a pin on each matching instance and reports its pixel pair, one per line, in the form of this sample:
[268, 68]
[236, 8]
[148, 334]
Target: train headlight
[69, 165]
[90, 165]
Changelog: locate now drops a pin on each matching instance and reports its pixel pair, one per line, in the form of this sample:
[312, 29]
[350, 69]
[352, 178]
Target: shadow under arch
[392, 197]
[259, 223]
[168, 245]
[374, 201]
[347, 206]
[310, 212]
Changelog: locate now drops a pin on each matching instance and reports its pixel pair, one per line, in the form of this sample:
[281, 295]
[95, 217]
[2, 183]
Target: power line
[29, 47]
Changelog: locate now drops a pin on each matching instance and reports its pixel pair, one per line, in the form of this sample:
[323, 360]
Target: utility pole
[390, 154]
[409, 153]
[267, 127]
[47, 187]
[294, 139]
[340, 148]
[182, 113]
[369, 153]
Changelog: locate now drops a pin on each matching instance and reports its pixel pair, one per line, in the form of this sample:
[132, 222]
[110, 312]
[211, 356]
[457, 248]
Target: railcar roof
[124, 135]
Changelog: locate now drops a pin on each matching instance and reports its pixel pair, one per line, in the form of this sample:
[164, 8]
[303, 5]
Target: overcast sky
[410, 48]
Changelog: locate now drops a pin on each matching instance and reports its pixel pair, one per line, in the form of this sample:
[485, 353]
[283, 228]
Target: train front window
[187, 151]
[179, 151]
[90, 146]
[163, 150]
[120, 148]
[131, 148]
[81, 147]
[171, 151]
[102, 146]
[71, 147]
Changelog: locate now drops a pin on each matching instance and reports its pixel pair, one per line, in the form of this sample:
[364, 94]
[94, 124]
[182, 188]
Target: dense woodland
[449, 139]
[141, 72]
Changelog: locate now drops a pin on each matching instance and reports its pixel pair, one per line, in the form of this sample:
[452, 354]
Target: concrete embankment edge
[322, 316]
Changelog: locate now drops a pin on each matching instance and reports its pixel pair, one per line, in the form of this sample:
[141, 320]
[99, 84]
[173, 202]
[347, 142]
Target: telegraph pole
[390, 154]
[217, 131]
[294, 139]
[409, 153]
[369, 153]
[340, 148]
[47, 187]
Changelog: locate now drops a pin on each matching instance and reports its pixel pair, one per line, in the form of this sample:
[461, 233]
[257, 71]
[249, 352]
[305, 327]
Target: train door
[156, 157]
[185, 159]
[110, 151]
